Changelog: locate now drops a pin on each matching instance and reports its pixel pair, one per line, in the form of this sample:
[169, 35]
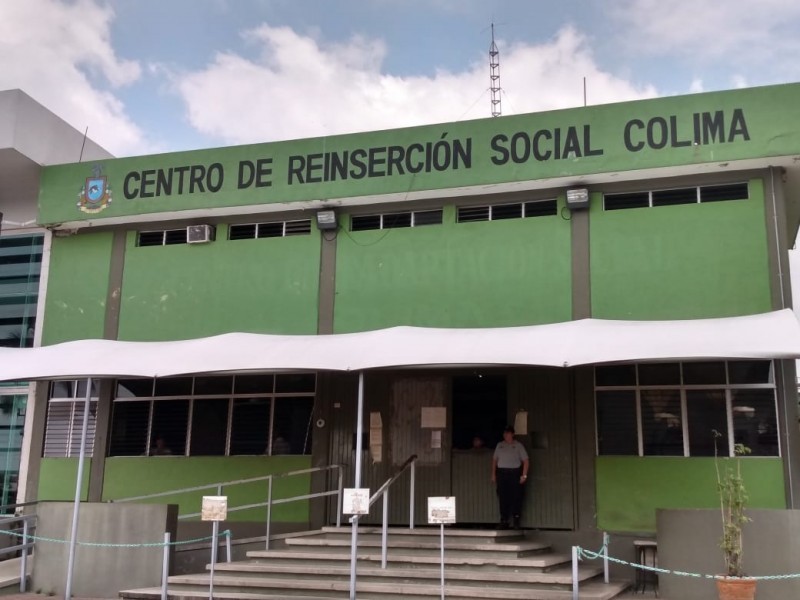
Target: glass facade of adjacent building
[20, 268]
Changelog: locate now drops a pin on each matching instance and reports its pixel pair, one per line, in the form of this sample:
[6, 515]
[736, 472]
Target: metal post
[228, 545]
[269, 508]
[385, 527]
[339, 498]
[574, 573]
[165, 567]
[411, 494]
[23, 575]
[605, 556]
[357, 484]
[441, 543]
[214, 542]
[73, 540]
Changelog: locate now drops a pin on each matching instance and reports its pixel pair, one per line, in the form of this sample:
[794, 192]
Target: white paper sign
[214, 508]
[355, 501]
[441, 509]
[434, 417]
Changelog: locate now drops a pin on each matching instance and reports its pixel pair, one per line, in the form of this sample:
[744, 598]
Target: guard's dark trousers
[509, 494]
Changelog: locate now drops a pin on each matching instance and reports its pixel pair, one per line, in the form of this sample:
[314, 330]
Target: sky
[150, 76]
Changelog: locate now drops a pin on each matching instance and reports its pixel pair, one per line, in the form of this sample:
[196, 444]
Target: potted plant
[734, 585]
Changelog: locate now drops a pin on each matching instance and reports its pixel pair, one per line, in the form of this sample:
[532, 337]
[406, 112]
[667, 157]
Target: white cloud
[751, 32]
[57, 53]
[299, 87]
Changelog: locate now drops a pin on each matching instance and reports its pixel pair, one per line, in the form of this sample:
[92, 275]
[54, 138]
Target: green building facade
[691, 205]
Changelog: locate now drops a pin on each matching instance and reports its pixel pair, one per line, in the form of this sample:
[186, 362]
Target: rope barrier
[588, 554]
[35, 538]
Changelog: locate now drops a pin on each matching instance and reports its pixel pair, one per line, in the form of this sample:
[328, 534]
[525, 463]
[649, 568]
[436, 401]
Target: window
[671, 197]
[499, 212]
[165, 237]
[213, 416]
[251, 231]
[684, 409]
[396, 220]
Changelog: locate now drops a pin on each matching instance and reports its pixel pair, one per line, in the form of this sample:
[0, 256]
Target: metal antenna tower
[494, 77]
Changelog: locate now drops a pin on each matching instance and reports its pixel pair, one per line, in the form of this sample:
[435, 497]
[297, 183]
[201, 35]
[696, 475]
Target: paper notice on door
[375, 437]
[434, 417]
[521, 423]
[436, 438]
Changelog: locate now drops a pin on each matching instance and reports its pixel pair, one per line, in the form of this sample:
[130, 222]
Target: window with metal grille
[64, 424]
[166, 237]
[396, 220]
[674, 409]
[213, 415]
[249, 231]
[499, 212]
[671, 197]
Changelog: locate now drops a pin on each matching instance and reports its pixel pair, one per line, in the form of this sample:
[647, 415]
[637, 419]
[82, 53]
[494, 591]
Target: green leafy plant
[732, 500]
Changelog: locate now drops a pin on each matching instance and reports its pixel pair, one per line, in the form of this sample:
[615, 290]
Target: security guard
[510, 472]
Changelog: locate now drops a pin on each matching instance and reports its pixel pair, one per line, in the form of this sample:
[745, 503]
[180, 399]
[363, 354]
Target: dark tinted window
[250, 426]
[623, 201]
[209, 427]
[662, 430]
[292, 426]
[706, 414]
[171, 423]
[671, 197]
[129, 428]
[615, 375]
[704, 373]
[616, 423]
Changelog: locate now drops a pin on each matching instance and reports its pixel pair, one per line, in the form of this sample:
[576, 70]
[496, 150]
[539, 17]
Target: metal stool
[647, 555]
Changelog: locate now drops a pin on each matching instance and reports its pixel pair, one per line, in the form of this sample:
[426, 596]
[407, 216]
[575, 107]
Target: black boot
[517, 522]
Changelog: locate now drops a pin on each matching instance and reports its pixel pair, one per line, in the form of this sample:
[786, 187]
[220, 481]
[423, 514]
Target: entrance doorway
[480, 410]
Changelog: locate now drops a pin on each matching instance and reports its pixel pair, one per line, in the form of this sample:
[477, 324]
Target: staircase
[501, 565]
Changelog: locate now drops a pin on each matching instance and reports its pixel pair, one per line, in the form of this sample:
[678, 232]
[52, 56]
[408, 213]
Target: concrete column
[106, 386]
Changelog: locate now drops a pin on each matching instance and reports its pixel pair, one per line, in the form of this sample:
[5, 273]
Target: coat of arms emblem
[95, 195]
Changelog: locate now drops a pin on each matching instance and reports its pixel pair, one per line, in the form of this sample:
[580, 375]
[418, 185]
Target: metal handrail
[411, 462]
[269, 503]
[25, 544]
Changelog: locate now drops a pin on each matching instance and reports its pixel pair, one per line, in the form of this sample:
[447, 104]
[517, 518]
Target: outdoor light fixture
[326, 220]
[577, 198]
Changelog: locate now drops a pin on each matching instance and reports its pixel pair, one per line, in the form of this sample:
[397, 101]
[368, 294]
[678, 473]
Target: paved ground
[45, 597]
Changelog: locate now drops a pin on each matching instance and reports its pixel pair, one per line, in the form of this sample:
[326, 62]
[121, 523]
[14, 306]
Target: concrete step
[284, 569]
[519, 547]
[333, 555]
[367, 590]
[473, 535]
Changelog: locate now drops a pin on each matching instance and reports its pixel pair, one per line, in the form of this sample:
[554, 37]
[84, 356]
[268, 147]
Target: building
[679, 208]
[31, 137]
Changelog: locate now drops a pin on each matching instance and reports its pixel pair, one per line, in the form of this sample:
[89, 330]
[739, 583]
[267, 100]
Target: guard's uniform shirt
[510, 455]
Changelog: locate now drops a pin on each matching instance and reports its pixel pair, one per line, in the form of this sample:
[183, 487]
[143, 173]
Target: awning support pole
[357, 484]
[78, 488]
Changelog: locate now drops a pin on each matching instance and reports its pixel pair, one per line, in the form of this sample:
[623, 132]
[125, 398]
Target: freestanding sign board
[355, 501]
[214, 509]
[441, 511]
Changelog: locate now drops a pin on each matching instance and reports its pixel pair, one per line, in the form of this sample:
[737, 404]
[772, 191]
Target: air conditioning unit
[200, 234]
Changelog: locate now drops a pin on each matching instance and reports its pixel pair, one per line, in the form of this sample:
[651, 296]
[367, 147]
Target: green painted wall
[631, 488]
[265, 285]
[680, 262]
[57, 477]
[438, 275]
[752, 123]
[77, 287]
[136, 476]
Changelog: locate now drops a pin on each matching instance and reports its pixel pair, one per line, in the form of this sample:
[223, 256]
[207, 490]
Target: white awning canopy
[588, 341]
